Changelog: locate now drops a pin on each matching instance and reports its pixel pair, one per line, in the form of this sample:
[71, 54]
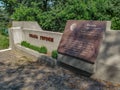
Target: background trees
[53, 14]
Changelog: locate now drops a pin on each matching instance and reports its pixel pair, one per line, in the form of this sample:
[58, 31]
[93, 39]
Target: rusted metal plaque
[82, 39]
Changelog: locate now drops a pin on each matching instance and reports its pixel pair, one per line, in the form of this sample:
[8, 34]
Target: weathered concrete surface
[28, 51]
[107, 65]
[18, 72]
[38, 42]
[108, 61]
[80, 64]
[31, 25]
[20, 32]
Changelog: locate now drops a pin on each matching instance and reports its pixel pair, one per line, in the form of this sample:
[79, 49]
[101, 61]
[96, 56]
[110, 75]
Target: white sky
[1, 3]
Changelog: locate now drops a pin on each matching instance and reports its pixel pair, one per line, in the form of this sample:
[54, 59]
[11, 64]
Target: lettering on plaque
[46, 38]
[33, 36]
[50, 39]
[82, 39]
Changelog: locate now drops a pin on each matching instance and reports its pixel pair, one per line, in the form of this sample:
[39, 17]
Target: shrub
[43, 49]
[34, 47]
[115, 23]
[4, 41]
[5, 32]
[26, 44]
[54, 54]
[23, 43]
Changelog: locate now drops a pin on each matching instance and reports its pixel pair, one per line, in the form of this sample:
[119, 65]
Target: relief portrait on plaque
[82, 39]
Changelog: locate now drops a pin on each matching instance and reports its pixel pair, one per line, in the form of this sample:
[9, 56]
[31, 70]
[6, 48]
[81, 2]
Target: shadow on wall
[108, 62]
[74, 69]
[112, 71]
[111, 44]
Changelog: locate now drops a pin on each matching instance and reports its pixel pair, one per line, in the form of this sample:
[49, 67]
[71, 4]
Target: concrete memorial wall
[80, 43]
[82, 39]
[32, 33]
[90, 46]
[43, 38]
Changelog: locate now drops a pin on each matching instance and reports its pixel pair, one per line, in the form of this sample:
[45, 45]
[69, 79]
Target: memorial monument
[80, 43]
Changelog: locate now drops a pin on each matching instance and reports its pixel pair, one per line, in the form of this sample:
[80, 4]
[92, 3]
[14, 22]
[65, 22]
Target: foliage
[116, 23]
[4, 18]
[23, 13]
[4, 32]
[54, 54]
[41, 49]
[53, 14]
[26, 44]
[115, 8]
[4, 41]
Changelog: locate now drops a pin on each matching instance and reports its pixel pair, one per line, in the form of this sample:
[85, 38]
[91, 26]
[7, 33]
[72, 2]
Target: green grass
[4, 41]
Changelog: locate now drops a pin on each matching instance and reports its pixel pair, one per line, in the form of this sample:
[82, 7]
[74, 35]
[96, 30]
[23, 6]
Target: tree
[24, 13]
[115, 8]
[53, 14]
[4, 17]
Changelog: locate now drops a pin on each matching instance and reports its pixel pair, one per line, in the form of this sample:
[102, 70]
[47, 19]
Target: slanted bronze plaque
[81, 39]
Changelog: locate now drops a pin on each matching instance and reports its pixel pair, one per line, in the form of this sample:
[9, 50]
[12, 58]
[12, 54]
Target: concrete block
[77, 63]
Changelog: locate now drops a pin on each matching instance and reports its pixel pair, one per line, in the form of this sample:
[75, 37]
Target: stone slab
[77, 63]
[82, 39]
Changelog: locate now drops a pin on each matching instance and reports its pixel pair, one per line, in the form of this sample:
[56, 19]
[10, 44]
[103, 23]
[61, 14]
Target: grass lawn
[4, 41]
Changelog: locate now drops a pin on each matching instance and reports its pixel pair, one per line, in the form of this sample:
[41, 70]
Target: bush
[4, 41]
[54, 54]
[23, 43]
[41, 49]
[116, 23]
[26, 44]
[34, 47]
[5, 32]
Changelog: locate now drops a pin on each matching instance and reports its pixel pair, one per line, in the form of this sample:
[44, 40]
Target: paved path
[20, 72]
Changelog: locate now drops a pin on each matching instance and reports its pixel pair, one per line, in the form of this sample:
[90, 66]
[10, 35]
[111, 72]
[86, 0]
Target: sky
[1, 3]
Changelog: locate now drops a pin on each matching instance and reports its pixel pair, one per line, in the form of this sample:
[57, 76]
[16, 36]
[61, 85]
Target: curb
[5, 50]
